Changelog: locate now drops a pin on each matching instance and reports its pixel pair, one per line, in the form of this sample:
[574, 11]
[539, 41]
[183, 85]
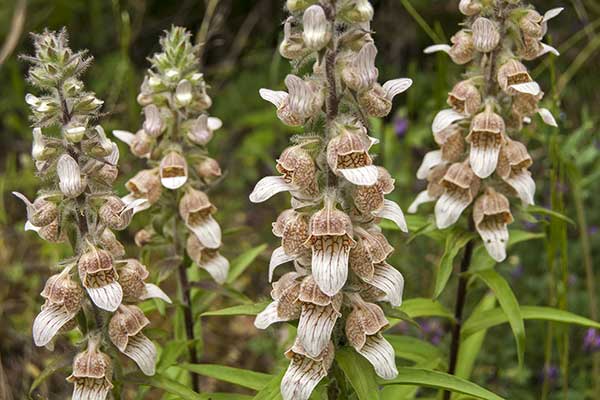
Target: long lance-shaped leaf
[455, 241]
[509, 305]
[242, 377]
[440, 380]
[359, 372]
[497, 317]
[243, 261]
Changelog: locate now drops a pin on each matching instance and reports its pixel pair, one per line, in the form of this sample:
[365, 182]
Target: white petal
[91, 390]
[448, 209]
[69, 176]
[396, 86]
[390, 281]
[547, 117]
[32, 100]
[524, 185]
[423, 197]
[381, 355]
[23, 198]
[392, 211]
[315, 327]
[268, 316]
[483, 159]
[431, 160]
[444, 119]
[532, 88]
[154, 292]
[208, 232]
[48, 322]
[330, 265]
[553, 13]
[107, 297]
[183, 92]
[275, 97]
[362, 176]
[278, 257]
[137, 204]
[526, 120]
[546, 48]
[214, 123]
[113, 157]
[31, 227]
[495, 238]
[300, 95]
[141, 350]
[365, 66]
[217, 267]
[269, 186]
[173, 182]
[124, 136]
[301, 378]
[437, 47]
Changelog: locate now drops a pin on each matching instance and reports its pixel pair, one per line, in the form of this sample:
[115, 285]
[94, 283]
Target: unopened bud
[317, 30]
[208, 168]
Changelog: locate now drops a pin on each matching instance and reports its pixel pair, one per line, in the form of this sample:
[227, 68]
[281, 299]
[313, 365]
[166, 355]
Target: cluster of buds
[79, 164]
[478, 162]
[173, 137]
[330, 233]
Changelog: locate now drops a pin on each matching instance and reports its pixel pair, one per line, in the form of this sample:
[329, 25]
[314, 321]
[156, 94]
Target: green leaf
[244, 309]
[171, 352]
[497, 316]
[509, 304]
[424, 307]
[360, 373]
[482, 260]
[54, 366]
[471, 346]
[413, 349]
[243, 261]
[168, 385]
[439, 380]
[242, 377]
[272, 390]
[552, 213]
[406, 392]
[396, 313]
[455, 241]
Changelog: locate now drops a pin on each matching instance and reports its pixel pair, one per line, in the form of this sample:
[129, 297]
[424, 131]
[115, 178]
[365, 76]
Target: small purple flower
[432, 330]
[591, 341]
[530, 226]
[400, 127]
[593, 230]
[550, 373]
[517, 272]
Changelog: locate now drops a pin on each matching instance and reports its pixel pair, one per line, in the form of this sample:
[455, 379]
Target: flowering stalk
[330, 233]
[480, 162]
[173, 139]
[78, 165]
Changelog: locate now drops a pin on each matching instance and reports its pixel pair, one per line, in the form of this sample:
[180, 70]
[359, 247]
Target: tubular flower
[78, 204]
[479, 162]
[338, 195]
[173, 138]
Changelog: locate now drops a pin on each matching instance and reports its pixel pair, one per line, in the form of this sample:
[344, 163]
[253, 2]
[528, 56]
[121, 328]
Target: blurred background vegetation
[239, 57]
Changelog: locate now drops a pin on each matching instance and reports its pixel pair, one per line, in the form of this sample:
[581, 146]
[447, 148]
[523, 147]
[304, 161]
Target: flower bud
[298, 169]
[173, 171]
[357, 11]
[146, 185]
[200, 130]
[462, 49]
[143, 237]
[469, 7]
[183, 93]
[317, 30]
[360, 72]
[74, 133]
[109, 242]
[71, 182]
[531, 24]
[153, 124]
[465, 98]
[115, 214]
[485, 35]
[208, 169]
[40, 149]
[292, 46]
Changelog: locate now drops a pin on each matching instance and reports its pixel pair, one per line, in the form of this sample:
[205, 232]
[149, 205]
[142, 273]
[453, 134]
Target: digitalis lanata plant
[173, 139]
[95, 290]
[330, 233]
[480, 162]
